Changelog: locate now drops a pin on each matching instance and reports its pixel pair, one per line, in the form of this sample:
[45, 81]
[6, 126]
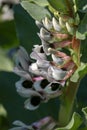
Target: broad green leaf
[80, 36]
[84, 50]
[3, 118]
[82, 29]
[37, 12]
[82, 94]
[5, 62]
[60, 5]
[26, 28]
[74, 124]
[79, 73]
[39, 2]
[8, 36]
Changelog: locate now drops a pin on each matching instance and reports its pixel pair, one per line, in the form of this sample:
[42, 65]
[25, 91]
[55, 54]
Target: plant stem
[69, 6]
[67, 103]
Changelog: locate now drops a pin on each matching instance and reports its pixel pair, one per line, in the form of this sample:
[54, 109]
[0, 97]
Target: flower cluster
[44, 73]
[46, 123]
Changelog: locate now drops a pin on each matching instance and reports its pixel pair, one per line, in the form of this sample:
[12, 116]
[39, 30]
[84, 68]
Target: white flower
[57, 59]
[44, 34]
[22, 63]
[33, 102]
[47, 23]
[21, 126]
[57, 74]
[50, 89]
[47, 123]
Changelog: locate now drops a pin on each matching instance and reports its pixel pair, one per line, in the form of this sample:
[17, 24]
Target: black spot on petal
[55, 86]
[35, 100]
[27, 84]
[44, 83]
[41, 50]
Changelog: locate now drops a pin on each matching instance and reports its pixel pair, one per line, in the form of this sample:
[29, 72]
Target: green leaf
[37, 12]
[82, 29]
[84, 110]
[82, 94]
[3, 118]
[79, 73]
[5, 62]
[74, 124]
[80, 36]
[59, 5]
[39, 2]
[26, 28]
[84, 50]
[82, 5]
[8, 36]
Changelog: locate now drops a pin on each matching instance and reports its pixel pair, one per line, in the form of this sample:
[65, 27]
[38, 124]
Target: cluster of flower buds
[46, 123]
[45, 72]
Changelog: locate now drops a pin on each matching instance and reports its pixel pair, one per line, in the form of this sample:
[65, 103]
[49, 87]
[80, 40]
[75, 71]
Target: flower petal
[22, 58]
[57, 60]
[47, 23]
[57, 74]
[45, 34]
[22, 73]
[53, 87]
[18, 123]
[56, 25]
[23, 84]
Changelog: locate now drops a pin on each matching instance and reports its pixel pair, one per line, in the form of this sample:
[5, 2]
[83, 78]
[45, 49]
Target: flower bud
[61, 22]
[39, 24]
[69, 28]
[45, 34]
[56, 25]
[47, 23]
[57, 60]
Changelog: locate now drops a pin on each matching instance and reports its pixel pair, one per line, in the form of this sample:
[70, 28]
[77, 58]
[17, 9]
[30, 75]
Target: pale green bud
[71, 21]
[47, 23]
[77, 19]
[61, 22]
[69, 28]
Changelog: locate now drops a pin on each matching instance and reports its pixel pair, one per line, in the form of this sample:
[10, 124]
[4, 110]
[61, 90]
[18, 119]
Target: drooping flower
[47, 123]
[38, 92]
[41, 79]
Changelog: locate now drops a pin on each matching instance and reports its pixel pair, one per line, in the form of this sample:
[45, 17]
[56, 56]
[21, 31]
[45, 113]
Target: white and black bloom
[21, 126]
[37, 92]
[47, 123]
[22, 63]
[44, 73]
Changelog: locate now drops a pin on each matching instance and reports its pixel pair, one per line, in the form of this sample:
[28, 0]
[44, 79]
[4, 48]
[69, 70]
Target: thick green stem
[67, 103]
[69, 6]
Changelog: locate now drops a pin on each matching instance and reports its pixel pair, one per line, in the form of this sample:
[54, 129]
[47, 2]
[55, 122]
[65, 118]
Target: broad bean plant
[53, 69]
